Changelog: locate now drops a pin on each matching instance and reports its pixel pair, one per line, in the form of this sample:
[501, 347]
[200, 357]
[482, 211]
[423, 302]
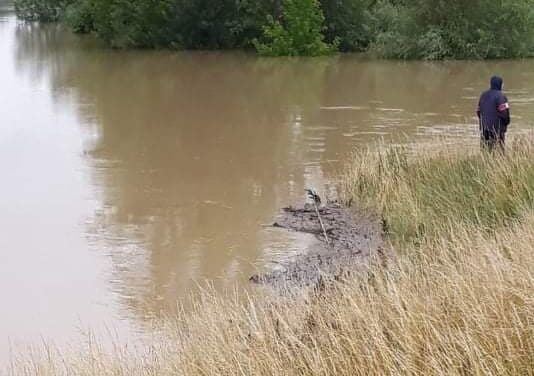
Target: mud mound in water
[353, 240]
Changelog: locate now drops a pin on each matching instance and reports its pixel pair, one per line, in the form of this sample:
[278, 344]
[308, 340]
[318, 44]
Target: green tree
[215, 24]
[134, 23]
[300, 32]
[41, 10]
[400, 29]
[438, 29]
[350, 22]
[80, 16]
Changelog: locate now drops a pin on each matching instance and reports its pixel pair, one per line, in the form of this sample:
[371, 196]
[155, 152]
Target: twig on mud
[316, 199]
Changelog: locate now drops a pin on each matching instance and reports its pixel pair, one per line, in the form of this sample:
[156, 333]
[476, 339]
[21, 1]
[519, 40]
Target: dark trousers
[492, 140]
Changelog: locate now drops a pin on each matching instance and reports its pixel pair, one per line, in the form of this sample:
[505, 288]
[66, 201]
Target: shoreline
[353, 241]
[458, 299]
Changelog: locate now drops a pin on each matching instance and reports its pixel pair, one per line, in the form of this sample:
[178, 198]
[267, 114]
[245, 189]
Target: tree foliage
[299, 32]
[41, 10]
[348, 22]
[438, 29]
[402, 29]
[216, 24]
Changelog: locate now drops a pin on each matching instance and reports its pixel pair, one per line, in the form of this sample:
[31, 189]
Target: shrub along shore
[457, 300]
[400, 29]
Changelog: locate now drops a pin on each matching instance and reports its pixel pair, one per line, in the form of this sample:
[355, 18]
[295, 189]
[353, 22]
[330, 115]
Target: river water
[129, 177]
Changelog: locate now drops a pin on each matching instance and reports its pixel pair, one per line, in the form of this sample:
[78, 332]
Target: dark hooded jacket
[493, 109]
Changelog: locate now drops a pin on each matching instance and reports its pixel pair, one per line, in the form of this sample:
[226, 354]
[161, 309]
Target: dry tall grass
[420, 194]
[458, 301]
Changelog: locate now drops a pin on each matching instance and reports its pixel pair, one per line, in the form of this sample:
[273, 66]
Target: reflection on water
[167, 164]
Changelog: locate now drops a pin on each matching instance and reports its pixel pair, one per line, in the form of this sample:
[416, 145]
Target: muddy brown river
[127, 178]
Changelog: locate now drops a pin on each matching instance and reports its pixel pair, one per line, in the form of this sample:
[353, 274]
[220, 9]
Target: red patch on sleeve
[503, 107]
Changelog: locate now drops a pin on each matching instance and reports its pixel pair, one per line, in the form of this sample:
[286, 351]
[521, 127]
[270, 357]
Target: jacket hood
[496, 83]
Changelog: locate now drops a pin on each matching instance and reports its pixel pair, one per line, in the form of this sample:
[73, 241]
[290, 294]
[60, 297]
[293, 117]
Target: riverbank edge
[347, 241]
[456, 301]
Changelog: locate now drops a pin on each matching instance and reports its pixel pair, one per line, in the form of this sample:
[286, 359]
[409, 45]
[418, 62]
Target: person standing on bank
[494, 115]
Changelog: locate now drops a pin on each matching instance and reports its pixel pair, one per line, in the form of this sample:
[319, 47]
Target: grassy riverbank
[422, 196]
[459, 299]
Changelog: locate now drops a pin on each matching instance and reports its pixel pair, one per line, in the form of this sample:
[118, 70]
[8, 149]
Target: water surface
[128, 177]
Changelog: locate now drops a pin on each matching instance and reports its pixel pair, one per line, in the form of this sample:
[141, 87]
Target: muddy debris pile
[347, 241]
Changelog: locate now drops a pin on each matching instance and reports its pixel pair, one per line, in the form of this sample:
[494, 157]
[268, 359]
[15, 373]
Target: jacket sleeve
[504, 110]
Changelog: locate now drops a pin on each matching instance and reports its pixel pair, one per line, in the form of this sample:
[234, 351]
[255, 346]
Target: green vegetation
[458, 301]
[299, 33]
[350, 22]
[123, 23]
[46, 11]
[404, 29]
[436, 29]
[419, 198]
[188, 24]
